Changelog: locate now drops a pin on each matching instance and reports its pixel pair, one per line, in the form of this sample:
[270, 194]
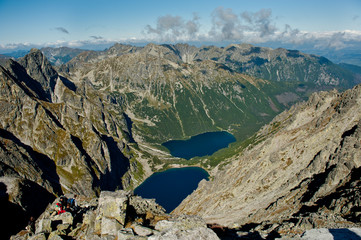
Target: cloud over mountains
[225, 25]
[173, 28]
[250, 27]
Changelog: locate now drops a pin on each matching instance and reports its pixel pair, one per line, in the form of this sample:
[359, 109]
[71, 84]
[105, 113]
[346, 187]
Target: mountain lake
[170, 187]
[200, 145]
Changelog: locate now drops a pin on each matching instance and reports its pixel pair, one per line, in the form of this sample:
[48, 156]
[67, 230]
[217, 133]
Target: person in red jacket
[60, 208]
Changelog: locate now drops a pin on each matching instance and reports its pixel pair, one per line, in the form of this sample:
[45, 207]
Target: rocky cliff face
[59, 137]
[300, 171]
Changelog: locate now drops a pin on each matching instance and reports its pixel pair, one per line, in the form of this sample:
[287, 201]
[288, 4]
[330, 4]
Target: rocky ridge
[271, 64]
[299, 172]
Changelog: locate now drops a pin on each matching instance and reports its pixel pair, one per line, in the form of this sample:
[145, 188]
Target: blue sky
[79, 23]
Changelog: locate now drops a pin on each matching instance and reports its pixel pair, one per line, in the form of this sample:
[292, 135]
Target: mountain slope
[72, 141]
[301, 171]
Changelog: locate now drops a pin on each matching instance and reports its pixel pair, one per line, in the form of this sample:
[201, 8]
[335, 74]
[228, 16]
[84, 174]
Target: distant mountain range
[58, 56]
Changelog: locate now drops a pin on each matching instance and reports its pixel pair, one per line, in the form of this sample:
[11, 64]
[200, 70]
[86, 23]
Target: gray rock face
[61, 139]
[302, 171]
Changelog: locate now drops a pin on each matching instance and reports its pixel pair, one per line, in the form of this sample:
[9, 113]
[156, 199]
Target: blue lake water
[200, 145]
[170, 187]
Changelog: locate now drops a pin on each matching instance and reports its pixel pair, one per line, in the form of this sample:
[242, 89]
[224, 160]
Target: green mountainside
[177, 91]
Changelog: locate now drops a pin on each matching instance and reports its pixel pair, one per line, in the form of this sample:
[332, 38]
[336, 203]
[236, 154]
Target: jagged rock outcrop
[301, 171]
[117, 215]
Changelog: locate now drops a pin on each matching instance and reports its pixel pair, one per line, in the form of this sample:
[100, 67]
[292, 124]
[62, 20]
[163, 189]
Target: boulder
[44, 226]
[40, 236]
[113, 205]
[142, 231]
[199, 233]
[110, 226]
[183, 227]
[65, 218]
[55, 236]
[183, 222]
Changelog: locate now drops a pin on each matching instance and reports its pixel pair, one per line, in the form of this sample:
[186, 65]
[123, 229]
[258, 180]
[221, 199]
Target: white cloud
[250, 27]
[172, 28]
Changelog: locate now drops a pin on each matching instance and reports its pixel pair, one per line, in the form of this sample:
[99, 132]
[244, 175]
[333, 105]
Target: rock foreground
[121, 215]
[117, 215]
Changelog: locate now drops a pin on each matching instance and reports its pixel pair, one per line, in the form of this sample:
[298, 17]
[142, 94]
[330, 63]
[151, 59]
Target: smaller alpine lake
[199, 145]
[170, 187]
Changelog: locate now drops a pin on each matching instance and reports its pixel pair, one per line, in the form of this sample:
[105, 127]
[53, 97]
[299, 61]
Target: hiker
[68, 208]
[60, 208]
[72, 205]
[63, 201]
[31, 225]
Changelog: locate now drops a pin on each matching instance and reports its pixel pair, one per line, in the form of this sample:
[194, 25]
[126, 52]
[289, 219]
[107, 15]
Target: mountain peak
[35, 50]
[39, 68]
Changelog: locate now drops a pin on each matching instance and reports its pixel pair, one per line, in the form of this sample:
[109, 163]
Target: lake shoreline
[204, 144]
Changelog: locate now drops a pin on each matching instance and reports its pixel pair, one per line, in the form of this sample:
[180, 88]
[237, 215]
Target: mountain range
[97, 122]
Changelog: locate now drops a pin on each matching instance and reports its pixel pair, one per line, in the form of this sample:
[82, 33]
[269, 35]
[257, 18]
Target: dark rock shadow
[34, 200]
[129, 127]
[14, 217]
[69, 84]
[42, 161]
[225, 233]
[119, 165]
[21, 77]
